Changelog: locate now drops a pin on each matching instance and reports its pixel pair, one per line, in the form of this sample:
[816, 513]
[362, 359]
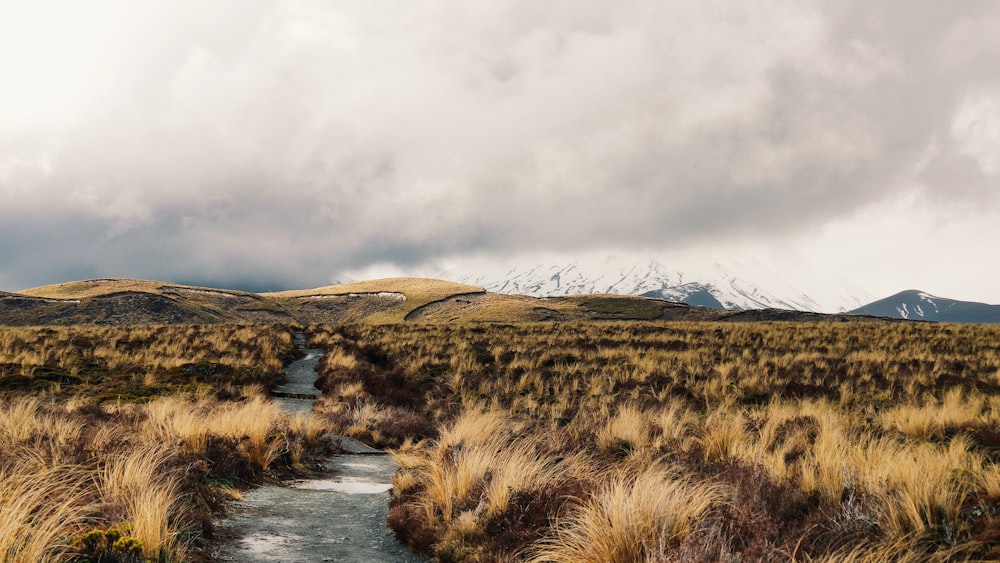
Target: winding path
[340, 518]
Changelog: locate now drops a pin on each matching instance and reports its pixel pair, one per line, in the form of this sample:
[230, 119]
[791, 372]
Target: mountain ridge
[914, 304]
[737, 286]
[126, 301]
[118, 301]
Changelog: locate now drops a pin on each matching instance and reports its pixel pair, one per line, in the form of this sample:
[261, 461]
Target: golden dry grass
[489, 307]
[631, 517]
[136, 488]
[608, 441]
[813, 441]
[502, 308]
[92, 467]
[67, 478]
[137, 363]
[418, 292]
[93, 288]
[414, 288]
[40, 508]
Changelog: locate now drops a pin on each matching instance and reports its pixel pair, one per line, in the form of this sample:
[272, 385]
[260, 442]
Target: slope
[128, 301]
[918, 305]
[125, 301]
[375, 301]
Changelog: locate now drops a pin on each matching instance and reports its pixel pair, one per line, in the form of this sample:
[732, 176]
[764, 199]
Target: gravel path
[338, 518]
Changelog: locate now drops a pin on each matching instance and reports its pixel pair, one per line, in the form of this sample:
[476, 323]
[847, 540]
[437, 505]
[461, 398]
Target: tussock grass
[134, 364]
[629, 430]
[630, 518]
[136, 490]
[923, 488]
[40, 508]
[175, 418]
[811, 442]
[107, 482]
[611, 441]
[935, 419]
[82, 478]
[720, 435]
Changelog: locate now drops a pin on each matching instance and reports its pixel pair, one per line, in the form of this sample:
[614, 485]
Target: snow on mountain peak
[747, 284]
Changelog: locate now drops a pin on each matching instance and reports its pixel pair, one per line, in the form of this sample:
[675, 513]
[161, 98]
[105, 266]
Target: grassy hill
[114, 301]
[108, 286]
[377, 301]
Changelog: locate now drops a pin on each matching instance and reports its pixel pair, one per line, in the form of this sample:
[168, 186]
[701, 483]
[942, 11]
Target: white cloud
[910, 241]
[976, 129]
[324, 137]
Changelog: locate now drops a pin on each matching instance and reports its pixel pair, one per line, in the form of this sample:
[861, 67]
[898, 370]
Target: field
[537, 441]
[679, 441]
[119, 444]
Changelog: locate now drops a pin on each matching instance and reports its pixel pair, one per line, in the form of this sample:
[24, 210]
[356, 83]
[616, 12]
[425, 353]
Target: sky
[289, 144]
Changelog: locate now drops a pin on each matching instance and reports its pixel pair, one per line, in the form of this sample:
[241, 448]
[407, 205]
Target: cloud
[288, 142]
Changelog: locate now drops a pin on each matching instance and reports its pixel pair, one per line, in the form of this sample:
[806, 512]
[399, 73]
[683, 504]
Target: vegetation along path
[340, 518]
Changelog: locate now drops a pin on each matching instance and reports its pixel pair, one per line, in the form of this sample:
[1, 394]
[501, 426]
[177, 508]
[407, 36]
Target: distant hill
[918, 305]
[127, 301]
[387, 300]
[124, 301]
[116, 301]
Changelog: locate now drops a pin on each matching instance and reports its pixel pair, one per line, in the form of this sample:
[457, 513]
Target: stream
[337, 518]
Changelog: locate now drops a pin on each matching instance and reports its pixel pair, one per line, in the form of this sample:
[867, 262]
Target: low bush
[680, 441]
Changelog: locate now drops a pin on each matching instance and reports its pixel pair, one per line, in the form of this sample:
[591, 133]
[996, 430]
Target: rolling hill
[388, 300]
[125, 301]
[115, 301]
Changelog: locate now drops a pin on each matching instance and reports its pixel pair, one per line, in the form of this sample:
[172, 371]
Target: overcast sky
[257, 145]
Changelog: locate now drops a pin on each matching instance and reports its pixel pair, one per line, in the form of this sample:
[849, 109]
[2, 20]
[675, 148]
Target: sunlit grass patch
[417, 291]
[630, 518]
[124, 481]
[41, 509]
[136, 488]
[797, 423]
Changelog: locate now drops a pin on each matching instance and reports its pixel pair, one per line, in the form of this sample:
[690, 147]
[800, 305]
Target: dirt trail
[338, 518]
[341, 518]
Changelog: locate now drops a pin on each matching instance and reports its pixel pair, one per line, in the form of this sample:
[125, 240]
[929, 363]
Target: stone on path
[349, 445]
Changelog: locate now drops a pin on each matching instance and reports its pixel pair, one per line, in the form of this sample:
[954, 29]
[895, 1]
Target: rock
[288, 395]
[348, 445]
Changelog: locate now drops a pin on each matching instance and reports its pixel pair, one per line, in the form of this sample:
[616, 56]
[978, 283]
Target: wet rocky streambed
[337, 518]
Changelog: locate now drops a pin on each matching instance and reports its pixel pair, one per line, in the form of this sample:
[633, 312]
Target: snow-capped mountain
[918, 305]
[745, 285]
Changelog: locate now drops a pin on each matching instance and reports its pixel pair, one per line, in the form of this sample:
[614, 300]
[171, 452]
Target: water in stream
[338, 518]
[341, 518]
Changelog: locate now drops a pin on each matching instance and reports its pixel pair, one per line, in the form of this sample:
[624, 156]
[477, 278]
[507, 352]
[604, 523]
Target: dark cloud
[261, 145]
